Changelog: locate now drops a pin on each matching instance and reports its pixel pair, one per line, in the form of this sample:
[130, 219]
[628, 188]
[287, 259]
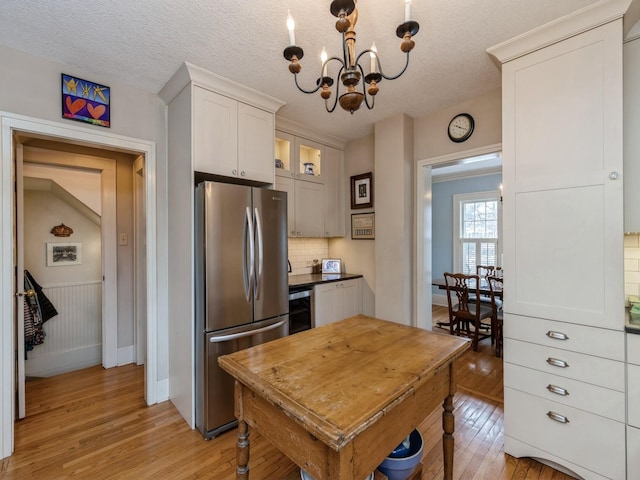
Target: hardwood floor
[93, 424]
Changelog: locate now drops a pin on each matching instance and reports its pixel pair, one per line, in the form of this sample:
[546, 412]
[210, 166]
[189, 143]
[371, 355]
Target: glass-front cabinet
[298, 158]
[310, 155]
[284, 156]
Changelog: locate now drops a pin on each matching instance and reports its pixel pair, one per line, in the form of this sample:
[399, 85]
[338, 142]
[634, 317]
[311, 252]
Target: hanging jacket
[47, 310]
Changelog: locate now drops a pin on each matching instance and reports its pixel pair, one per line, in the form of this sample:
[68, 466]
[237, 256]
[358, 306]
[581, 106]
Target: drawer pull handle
[557, 390]
[557, 417]
[556, 362]
[557, 335]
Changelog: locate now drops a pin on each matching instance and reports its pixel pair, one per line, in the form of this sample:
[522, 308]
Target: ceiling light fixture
[350, 70]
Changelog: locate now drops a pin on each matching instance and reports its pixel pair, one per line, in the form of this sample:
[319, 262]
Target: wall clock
[461, 127]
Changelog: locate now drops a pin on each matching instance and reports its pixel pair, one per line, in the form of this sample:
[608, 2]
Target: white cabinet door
[255, 144]
[287, 184]
[215, 122]
[337, 300]
[563, 212]
[349, 299]
[633, 451]
[308, 209]
[332, 166]
[324, 299]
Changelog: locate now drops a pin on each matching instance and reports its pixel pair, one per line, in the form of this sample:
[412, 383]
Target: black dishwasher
[300, 309]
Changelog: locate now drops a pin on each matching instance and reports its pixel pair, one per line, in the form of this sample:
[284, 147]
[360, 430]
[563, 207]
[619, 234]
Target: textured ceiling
[143, 42]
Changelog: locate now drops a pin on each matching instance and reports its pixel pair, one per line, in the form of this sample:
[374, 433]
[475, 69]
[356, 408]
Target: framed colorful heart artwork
[85, 101]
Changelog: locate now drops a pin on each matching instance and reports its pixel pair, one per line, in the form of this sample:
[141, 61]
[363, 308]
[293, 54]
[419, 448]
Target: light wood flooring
[93, 424]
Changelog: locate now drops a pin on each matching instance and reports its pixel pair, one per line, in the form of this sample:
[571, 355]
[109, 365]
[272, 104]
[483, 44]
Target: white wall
[430, 131]
[357, 255]
[30, 86]
[429, 140]
[42, 211]
[393, 179]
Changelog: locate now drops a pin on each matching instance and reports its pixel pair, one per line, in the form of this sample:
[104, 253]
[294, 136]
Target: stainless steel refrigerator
[241, 287]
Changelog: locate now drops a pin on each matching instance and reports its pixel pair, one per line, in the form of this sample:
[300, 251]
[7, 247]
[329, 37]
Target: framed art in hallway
[64, 254]
[362, 191]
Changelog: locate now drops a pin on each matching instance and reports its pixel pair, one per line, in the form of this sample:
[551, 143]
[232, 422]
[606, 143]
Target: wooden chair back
[496, 287]
[465, 290]
[484, 271]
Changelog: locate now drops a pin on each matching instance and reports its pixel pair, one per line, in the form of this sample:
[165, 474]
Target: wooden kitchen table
[339, 398]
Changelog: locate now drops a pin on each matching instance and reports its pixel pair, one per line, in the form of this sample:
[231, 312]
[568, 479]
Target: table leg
[448, 426]
[242, 451]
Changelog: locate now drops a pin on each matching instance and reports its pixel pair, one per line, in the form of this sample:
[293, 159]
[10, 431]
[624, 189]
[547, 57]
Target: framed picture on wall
[64, 254]
[362, 191]
[363, 226]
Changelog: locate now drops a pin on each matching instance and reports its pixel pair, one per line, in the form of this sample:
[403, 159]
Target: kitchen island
[337, 399]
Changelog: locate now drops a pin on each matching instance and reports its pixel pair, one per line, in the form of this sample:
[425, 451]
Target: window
[477, 225]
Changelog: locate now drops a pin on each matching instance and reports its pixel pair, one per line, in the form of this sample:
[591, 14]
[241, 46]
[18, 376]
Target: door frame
[423, 274]
[106, 168]
[9, 124]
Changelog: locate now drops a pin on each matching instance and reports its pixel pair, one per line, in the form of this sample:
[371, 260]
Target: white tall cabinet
[316, 202]
[218, 127]
[563, 243]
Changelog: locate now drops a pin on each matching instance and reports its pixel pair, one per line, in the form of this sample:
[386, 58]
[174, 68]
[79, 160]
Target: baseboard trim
[63, 362]
[125, 355]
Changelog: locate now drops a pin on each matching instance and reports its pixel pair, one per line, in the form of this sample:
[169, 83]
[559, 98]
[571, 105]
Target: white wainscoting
[74, 336]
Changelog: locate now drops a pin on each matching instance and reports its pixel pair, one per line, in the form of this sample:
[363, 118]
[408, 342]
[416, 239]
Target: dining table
[338, 399]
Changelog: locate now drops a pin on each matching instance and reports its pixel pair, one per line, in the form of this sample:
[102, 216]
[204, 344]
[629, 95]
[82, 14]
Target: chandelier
[350, 70]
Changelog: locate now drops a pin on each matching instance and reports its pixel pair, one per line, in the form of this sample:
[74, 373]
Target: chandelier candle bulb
[291, 25]
[323, 58]
[407, 10]
[374, 62]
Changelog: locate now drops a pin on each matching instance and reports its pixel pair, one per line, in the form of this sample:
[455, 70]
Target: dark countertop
[310, 279]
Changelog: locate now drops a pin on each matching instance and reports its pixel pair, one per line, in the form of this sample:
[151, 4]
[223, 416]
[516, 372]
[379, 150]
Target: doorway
[424, 223]
[14, 128]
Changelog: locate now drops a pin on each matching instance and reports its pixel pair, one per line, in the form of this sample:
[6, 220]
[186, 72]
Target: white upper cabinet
[255, 143]
[333, 192]
[215, 125]
[312, 172]
[232, 138]
[284, 155]
[219, 127]
[309, 160]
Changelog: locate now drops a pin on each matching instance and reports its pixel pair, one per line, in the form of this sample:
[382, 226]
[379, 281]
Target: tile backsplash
[631, 265]
[302, 251]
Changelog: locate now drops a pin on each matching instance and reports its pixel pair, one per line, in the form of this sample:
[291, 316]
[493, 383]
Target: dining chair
[497, 288]
[467, 315]
[484, 271]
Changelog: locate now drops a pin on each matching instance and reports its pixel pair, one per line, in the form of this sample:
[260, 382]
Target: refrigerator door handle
[247, 333]
[248, 267]
[259, 265]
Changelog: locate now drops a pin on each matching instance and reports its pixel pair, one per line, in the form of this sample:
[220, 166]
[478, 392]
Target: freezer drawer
[215, 397]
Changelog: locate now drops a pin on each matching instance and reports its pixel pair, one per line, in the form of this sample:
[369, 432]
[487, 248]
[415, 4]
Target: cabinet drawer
[633, 348]
[591, 398]
[567, 336]
[633, 394]
[633, 451]
[585, 368]
[593, 442]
